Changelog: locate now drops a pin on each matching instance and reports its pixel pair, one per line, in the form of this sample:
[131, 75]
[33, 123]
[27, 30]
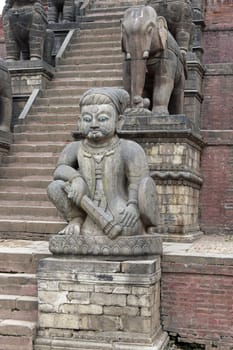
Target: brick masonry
[113, 304]
[197, 294]
[217, 119]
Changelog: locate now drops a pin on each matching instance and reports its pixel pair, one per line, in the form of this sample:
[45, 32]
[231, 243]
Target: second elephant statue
[25, 23]
[154, 66]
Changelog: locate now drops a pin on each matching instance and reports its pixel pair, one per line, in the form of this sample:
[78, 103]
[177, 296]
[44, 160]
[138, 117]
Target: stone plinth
[5, 141]
[25, 77]
[173, 148]
[99, 303]
[29, 75]
[193, 89]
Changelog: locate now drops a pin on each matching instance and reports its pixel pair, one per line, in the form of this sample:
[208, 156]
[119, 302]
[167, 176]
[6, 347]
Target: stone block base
[42, 344]
[29, 75]
[99, 303]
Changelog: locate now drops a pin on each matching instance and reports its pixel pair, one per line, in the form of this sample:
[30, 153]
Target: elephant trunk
[138, 77]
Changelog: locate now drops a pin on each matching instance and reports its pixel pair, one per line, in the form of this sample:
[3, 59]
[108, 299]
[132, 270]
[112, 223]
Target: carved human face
[98, 122]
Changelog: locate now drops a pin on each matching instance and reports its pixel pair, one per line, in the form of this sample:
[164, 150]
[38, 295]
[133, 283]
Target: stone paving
[212, 246]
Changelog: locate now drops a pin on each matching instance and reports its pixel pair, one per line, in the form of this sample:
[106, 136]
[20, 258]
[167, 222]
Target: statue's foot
[160, 111]
[34, 58]
[65, 21]
[11, 60]
[73, 228]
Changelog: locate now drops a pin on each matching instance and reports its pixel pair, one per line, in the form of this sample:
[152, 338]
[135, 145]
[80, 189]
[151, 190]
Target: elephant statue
[5, 98]
[153, 66]
[24, 23]
[61, 11]
[179, 17]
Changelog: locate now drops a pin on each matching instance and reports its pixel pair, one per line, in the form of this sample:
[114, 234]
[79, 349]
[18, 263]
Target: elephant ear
[163, 31]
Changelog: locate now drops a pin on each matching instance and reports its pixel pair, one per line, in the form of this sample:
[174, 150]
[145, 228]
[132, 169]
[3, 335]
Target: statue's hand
[130, 216]
[76, 189]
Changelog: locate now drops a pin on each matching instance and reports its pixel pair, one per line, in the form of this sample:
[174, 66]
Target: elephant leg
[127, 76]
[53, 12]
[12, 47]
[163, 73]
[25, 49]
[176, 105]
[68, 11]
[36, 37]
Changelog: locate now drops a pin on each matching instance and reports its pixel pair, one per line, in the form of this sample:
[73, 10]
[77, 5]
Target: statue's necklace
[101, 151]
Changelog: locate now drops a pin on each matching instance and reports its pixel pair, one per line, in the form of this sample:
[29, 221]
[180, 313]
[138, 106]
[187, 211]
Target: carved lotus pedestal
[104, 301]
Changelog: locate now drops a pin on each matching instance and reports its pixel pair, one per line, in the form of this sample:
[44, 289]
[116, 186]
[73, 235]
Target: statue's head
[101, 113]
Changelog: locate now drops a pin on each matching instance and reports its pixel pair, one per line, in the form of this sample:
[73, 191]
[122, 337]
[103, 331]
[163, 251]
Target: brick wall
[217, 119]
[197, 300]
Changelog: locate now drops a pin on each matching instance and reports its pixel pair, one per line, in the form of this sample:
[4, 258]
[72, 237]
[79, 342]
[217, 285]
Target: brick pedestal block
[97, 303]
[173, 148]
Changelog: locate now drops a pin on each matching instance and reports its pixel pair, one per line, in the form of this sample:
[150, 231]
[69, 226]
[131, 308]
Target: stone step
[112, 3]
[39, 137]
[29, 208]
[67, 100]
[84, 45]
[40, 159]
[20, 256]
[87, 37]
[43, 128]
[17, 194]
[29, 227]
[87, 33]
[60, 91]
[89, 74]
[51, 119]
[90, 52]
[107, 10]
[86, 84]
[90, 60]
[18, 307]
[100, 17]
[17, 334]
[91, 67]
[39, 147]
[24, 284]
[102, 24]
[55, 110]
[27, 182]
[15, 171]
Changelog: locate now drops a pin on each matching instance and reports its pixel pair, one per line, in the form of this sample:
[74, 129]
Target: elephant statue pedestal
[173, 147]
[5, 109]
[61, 31]
[26, 76]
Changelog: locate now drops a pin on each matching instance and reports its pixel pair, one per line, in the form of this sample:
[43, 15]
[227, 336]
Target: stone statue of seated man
[101, 184]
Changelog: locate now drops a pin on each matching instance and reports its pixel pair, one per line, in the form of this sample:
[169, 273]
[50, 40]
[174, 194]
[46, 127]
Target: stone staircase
[18, 292]
[27, 218]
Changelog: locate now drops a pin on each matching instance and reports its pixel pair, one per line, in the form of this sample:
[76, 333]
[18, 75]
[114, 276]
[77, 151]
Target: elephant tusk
[128, 56]
[145, 54]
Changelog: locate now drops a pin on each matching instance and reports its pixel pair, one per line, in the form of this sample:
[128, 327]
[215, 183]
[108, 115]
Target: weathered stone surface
[5, 103]
[104, 310]
[107, 215]
[61, 11]
[17, 328]
[144, 59]
[101, 245]
[25, 27]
